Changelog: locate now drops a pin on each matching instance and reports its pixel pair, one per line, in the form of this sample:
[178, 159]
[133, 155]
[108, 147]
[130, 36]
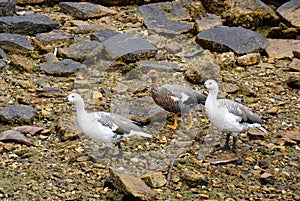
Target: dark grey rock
[28, 24]
[103, 35]
[63, 68]
[7, 7]
[165, 17]
[85, 10]
[2, 54]
[19, 114]
[291, 12]
[2, 64]
[81, 50]
[207, 21]
[160, 66]
[236, 39]
[15, 43]
[128, 47]
[55, 38]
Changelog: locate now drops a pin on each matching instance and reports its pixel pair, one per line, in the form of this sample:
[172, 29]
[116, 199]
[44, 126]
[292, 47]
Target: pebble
[134, 160]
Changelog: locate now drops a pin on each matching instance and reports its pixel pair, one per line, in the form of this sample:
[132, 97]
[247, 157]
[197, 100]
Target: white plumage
[103, 126]
[229, 116]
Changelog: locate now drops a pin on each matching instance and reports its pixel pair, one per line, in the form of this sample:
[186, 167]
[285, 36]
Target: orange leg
[175, 125]
[188, 127]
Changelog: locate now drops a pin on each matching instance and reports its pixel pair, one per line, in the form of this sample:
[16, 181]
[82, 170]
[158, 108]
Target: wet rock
[143, 110]
[17, 113]
[84, 10]
[237, 39]
[160, 65]
[249, 59]
[81, 50]
[103, 35]
[193, 179]
[290, 11]
[130, 185]
[202, 68]
[295, 64]
[128, 47]
[207, 21]
[249, 14]
[165, 17]
[48, 41]
[63, 68]
[154, 179]
[14, 136]
[282, 48]
[7, 7]
[28, 24]
[15, 43]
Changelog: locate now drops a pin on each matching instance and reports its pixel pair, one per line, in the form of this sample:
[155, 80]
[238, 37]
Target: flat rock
[17, 113]
[160, 65]
[130, 185]
[154, 179]
[295, 64]
[49, 92]
[81, 50]
[207, 21]
[202, 68]
[193, 179]
[62, 68]
[89, 28]
[236, 39]
[14, 136]
[282, 48]
[32, 130]
[249, 14]
[84, 10]
[290, 11]
[2, 54]
[15, 43]
[66, 128]
[128, 47]
[48, 41]
[7, 7]
[103, 35]
[249, 59]
[27, 24]
[165, 17]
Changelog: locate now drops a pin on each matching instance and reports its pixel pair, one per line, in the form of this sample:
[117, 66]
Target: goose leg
[105, 152]
[234, 143]
[188, 127]
[175, 125]
[226, 146]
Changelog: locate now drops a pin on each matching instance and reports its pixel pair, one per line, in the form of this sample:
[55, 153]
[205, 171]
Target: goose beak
[66, 100]
[203, 86]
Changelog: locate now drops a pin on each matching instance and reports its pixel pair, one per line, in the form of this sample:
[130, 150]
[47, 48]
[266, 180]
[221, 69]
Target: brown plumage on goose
[175, 98]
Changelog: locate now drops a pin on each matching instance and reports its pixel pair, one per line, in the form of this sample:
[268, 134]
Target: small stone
[154, 179]
[193, 179]
[15, 136]
[249, 59]
[265, 175]
[83, 158]
[134, 160]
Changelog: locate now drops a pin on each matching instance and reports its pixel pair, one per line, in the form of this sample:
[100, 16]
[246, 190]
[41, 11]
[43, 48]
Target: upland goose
[229, 116]
[175, 98]
[103, 126]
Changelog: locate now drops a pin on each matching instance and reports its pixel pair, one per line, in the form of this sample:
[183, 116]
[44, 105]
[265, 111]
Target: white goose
[103, 126]
[229, 116]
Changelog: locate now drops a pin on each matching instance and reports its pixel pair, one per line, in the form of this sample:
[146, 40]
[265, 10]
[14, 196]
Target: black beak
[66, 100]
[203, 86]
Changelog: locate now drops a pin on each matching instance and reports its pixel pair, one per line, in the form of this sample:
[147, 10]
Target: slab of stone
[30, 24]
[63, 68]
[32, 2]
[202, 68]
[15, 43]
[236, 39]
[14, 136]
[207, 21]
[2, 64]
[248, 13]
[103, 35]
[282, 48]
[291, 12]
[90, 28]
[154, 179]
[165, 17]
[130, 185]
[17, 113]
[81, 50]
[84, 10]
[7, 7]
[128, 47]
[2, 54]
[159, 65]
[295, 64]
[48, 41]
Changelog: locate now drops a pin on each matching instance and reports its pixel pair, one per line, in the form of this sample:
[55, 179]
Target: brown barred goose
[175, 98]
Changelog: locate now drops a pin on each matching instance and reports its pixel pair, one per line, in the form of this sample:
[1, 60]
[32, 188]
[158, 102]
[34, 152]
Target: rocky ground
[44, 156]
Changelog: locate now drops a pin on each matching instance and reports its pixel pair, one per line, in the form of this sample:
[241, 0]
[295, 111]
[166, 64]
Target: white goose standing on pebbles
[103, 126]
[229, 116]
